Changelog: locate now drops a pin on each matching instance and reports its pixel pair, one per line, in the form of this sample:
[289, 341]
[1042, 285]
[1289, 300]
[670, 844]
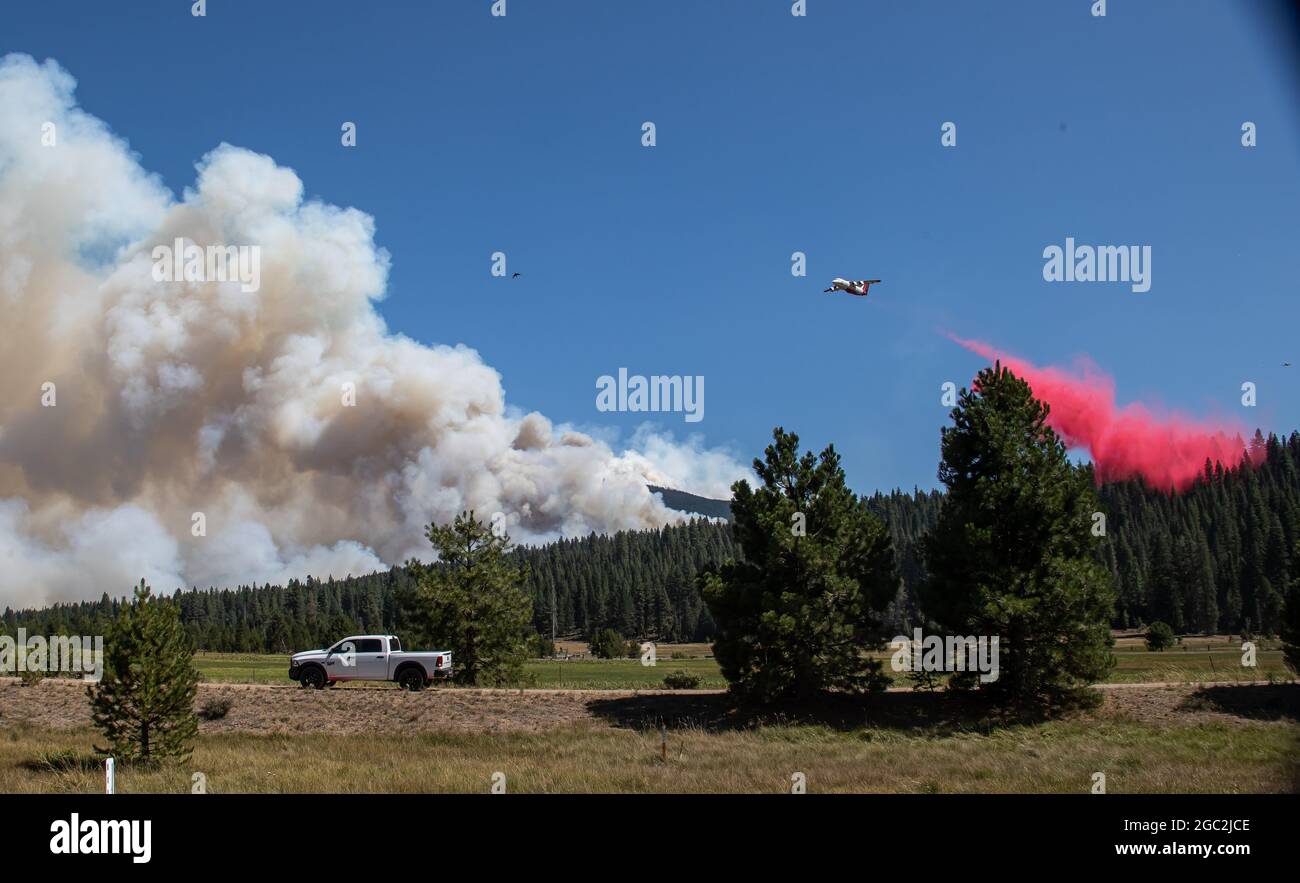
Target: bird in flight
[516, 275]
[855, 287]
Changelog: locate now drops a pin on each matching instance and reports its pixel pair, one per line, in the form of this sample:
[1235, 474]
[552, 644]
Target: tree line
[1218, 557]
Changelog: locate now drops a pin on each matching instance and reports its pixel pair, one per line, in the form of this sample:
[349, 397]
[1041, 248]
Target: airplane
[858, 287]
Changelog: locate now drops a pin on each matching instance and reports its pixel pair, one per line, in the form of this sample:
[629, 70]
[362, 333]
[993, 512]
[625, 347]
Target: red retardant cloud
[1130, 442]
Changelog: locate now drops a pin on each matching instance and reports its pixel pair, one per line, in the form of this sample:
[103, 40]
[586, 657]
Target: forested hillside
[1217, 557]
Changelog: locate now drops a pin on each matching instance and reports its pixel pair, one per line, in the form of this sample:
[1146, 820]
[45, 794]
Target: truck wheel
[313, 678]
[411, 679]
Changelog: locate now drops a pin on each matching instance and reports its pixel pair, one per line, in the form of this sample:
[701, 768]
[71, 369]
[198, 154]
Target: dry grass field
[280, 739]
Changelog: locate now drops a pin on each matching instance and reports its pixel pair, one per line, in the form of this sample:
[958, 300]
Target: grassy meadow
[1195, 660]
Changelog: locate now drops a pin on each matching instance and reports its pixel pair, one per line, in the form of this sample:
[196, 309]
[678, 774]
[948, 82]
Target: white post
[108, 776]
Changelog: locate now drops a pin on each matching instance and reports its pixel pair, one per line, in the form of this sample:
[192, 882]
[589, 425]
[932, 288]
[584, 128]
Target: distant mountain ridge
[693, 503]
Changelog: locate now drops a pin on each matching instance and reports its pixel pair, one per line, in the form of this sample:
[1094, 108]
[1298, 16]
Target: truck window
[370, 645]
[394, 645]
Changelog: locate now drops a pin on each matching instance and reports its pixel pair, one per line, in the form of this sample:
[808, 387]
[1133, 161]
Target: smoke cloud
[172, 398]
[1166, 451]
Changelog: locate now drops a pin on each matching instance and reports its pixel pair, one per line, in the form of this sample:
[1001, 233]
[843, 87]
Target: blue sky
[775, 134]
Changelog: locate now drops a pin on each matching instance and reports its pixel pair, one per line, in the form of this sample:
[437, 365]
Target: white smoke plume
[175, 398]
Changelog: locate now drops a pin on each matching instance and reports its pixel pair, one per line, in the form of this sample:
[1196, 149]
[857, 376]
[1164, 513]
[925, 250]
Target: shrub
[924, 680]
[540, 647]
[681, 680]
[215, 708]
[608, 644]
[1160, 637]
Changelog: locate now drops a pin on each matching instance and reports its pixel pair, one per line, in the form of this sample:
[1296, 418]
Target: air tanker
[855, 287]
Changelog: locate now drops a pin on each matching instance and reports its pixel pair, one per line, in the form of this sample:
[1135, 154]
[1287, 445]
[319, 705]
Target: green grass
[1177, 664]
[618, 674]
[243, 668]
[1220, 662]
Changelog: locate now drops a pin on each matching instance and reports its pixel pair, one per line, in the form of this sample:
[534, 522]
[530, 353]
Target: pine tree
[372, 615]
[277, 635]
[1012, 552]
[799, 613]
[1207, 593]
[1166, 582]
[472, 601]
[340, 626]
[145, 701]
[1291, 623]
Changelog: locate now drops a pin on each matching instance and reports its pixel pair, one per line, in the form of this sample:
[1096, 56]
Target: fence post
[108, 775]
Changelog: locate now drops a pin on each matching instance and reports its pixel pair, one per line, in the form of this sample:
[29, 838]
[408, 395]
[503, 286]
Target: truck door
[372, 660]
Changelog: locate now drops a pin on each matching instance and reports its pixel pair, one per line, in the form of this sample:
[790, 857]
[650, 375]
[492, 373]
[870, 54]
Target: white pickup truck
[369, 658]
